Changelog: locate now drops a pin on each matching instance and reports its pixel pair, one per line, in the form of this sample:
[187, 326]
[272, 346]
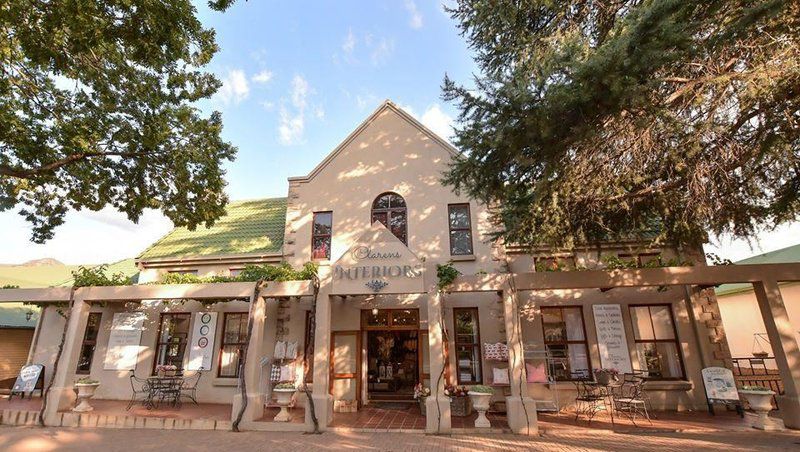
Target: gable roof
[788, 255]
[248, 227]
[386, 105]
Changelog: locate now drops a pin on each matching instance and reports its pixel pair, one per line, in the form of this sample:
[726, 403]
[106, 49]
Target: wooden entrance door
[345, 380]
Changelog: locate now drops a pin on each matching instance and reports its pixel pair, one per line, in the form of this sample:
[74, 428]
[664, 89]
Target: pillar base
[254, 410]
[521, 415]
[323, 408]
[438, 415]
[790, 411]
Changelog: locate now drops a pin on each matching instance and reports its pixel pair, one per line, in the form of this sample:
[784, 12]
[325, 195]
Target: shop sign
[720, 385]
[123, 342]
[202, 344]
[611, 339]
[378, 263]
[28, 378]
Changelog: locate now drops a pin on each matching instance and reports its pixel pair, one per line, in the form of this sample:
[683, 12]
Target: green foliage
[446, 274]
[483, 389]
[97, 276]
[10, 286]
[86, 381]
[660, 120]
[612, 262]
[714, 259]
[98, 108]
[282, 272]
[251, 273]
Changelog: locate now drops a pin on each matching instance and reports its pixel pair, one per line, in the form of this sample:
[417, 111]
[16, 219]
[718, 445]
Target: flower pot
[283, 397]
[480, 401]
[460, 406]
[422, 405]
[761, 403]
[85, 392]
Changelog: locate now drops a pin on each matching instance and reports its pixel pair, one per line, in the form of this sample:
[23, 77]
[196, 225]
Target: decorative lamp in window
[460, 229]
[234, 339]
[89, 344]
[468, 346]
[565, 339]
[173, 335]
[390, 209]
[321, 235]
[657, 344]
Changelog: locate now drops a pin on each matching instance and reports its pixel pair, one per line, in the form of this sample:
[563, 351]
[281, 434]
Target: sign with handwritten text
[611, 340]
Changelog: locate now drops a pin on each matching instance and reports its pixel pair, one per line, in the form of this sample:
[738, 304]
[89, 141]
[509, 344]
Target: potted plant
[86, 388]
[421, 393]
[460, 405]
[605, 376]
[760, 400]
[284, 392]
[481, 396]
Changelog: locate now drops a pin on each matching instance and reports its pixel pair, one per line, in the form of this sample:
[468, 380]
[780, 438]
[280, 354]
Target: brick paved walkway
[18, 439]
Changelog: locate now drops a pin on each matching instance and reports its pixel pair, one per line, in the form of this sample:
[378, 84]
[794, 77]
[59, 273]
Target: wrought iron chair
[588, 401]
[140, 390]
[189, 387]
[632, 400]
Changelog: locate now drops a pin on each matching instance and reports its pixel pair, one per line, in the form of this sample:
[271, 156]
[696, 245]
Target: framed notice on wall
[201, 348]
[611, 339]
[123, 343]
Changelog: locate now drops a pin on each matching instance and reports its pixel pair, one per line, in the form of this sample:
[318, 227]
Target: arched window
[390, 209]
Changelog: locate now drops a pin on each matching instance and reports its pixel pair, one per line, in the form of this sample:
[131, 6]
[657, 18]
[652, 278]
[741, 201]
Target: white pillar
[323, 400]
[62, 395]
[520, 408]
[252, 367]
[437, 405]
[784, 346]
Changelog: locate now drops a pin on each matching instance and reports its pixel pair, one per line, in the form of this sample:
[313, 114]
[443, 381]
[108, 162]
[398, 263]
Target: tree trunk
[313, 327]
[243, 361]
[58, 356]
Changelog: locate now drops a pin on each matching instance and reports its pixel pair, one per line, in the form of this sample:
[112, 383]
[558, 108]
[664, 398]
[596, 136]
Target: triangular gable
[386, 105]
[378, 262]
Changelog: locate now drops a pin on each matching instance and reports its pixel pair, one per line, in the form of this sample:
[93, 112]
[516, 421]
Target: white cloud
[299, 92]
[438, 121]
[349, 43]
[293, 121]
[291, 128]
[415, 21]
[262, 77]
[381, 51]
[267, 105]
[234, 88]
[435, 119]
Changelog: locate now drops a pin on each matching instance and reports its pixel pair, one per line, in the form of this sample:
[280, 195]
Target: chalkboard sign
[30, 378]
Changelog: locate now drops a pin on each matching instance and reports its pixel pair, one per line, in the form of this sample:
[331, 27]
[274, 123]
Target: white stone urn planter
[283, 397]
[480, 401]
[761, 403]
[85, 392]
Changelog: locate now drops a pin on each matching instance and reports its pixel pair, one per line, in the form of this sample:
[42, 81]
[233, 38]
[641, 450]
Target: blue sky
[298, 78]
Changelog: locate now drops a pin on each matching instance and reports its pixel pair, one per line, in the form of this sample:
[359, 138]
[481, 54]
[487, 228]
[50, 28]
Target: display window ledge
[225, 381]
[462, 257]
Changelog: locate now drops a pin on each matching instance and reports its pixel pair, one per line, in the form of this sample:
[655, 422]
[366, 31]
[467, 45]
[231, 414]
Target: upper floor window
[642, 259]
[321, 235]
[460, 229]
[390, 209]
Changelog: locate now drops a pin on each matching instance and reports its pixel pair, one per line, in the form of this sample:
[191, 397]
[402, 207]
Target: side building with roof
[747, 336]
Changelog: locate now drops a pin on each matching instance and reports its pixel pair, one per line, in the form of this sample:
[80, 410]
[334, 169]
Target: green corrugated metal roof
[249, 227]
[786, 255]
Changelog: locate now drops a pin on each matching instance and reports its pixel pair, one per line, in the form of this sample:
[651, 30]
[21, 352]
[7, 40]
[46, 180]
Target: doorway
[392, 353]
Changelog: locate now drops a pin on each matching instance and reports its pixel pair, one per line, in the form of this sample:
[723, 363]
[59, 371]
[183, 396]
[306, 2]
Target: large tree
[591, 119]
[97, 108]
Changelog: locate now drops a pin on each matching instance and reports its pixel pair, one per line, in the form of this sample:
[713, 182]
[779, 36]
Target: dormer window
[390, 209]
